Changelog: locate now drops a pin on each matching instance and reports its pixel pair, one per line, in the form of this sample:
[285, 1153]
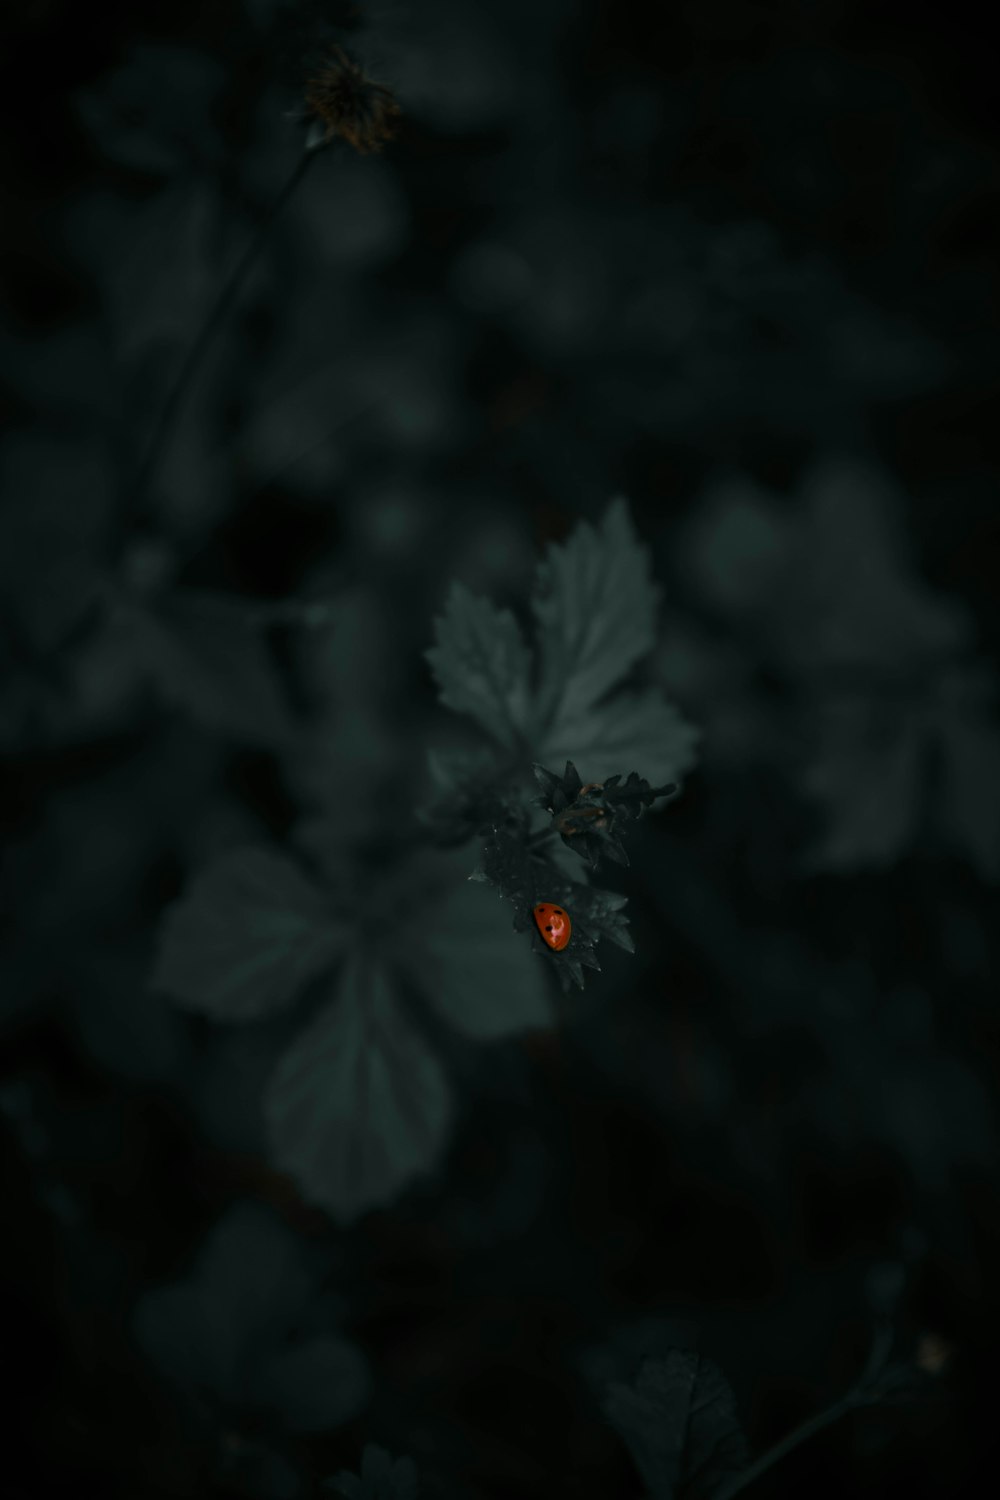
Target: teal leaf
[867, 777]
[358, 1106]
[482, 665]
[209, 657]
[473, 968]
[678, 1420]
[595, 606]
[633, 729]
[315, 1384]
[228, 1329]
[970, 804]
[381, 1478]
[245, 938]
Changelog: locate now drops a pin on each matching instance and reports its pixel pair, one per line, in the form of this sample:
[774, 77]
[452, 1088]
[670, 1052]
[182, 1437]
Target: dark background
[718, 257]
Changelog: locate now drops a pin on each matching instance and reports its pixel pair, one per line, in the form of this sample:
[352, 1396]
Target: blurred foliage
[624, 424]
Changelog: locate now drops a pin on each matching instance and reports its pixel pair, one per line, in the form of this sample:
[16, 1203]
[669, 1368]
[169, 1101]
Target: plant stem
[171, 410]
[792, 1440]
[862, 1393]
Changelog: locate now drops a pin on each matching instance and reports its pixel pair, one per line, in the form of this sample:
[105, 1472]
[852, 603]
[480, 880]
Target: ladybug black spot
[549, 928]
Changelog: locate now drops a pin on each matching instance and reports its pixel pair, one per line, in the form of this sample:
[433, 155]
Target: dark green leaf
[595, 606]
[482, 664]
[246, 937]
[381, 1478]
[229, 1328]
[678, 1420]
[633, 729]
[474, 970]
[359, 1105]
[209, 658]
[315, 1384]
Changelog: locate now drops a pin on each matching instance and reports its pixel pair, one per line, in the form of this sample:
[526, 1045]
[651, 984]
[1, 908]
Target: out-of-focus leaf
[209, 657]
[249, 933]
[156, 264]
[734, 547]
[358, 1105]
[867, 774]
[381, 1478]
[482, 664]
[56, 501]
[229, 1330]
[315, 1384]
[678, 1419]
[473, 968]
[595, 605]
[155, 112]
[851, 595]
[970, 807]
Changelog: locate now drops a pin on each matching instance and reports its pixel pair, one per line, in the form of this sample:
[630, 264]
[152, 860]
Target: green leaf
[245, 938]
[971, 800]
[633, 729]
[867, 775]
[209, 658]
[381, 1478]
[476, 972]
[595, 605]
[229, 1329]
[678, 1420]
[315, 1385]
[358, 1105]
[482, 665]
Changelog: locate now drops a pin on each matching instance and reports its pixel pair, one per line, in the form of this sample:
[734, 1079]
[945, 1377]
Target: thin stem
[171, 410]
[861, 1394]
[798, 1435]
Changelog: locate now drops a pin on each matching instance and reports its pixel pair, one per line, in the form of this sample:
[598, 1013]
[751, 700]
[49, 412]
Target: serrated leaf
[209, 658]
[381, 1478]
[481, 664]
[315, 1384]
[473, 969]
[358, 1105]
[678, 1420]
[245, 938]
[638, 729]
[595, 605]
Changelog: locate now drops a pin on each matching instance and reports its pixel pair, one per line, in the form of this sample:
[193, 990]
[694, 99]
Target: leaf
[595, 606]
[229, 1328]
[208, 657]
[316, 1384]
[358, 1105]
[735, 546]
[473, 968]
[867, 774]
[970, 807]
[852, 596]
[381, 1478]
[678, 1420]
[635, 729]
[482, 664]
[246, 937]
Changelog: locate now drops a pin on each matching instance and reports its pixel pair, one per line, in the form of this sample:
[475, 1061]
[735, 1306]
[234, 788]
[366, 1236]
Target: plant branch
[172, 406]
[862, 1393]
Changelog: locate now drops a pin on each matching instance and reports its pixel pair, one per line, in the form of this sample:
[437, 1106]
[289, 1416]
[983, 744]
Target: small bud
[934, 1354]
[342, 100]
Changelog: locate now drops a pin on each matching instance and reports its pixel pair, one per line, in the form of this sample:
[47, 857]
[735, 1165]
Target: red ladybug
[554, 925]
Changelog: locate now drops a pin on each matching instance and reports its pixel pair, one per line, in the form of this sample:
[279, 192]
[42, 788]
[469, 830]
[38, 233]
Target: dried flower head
[346, 102]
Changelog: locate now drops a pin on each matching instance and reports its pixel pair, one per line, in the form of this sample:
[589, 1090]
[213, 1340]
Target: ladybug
[554, 925]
